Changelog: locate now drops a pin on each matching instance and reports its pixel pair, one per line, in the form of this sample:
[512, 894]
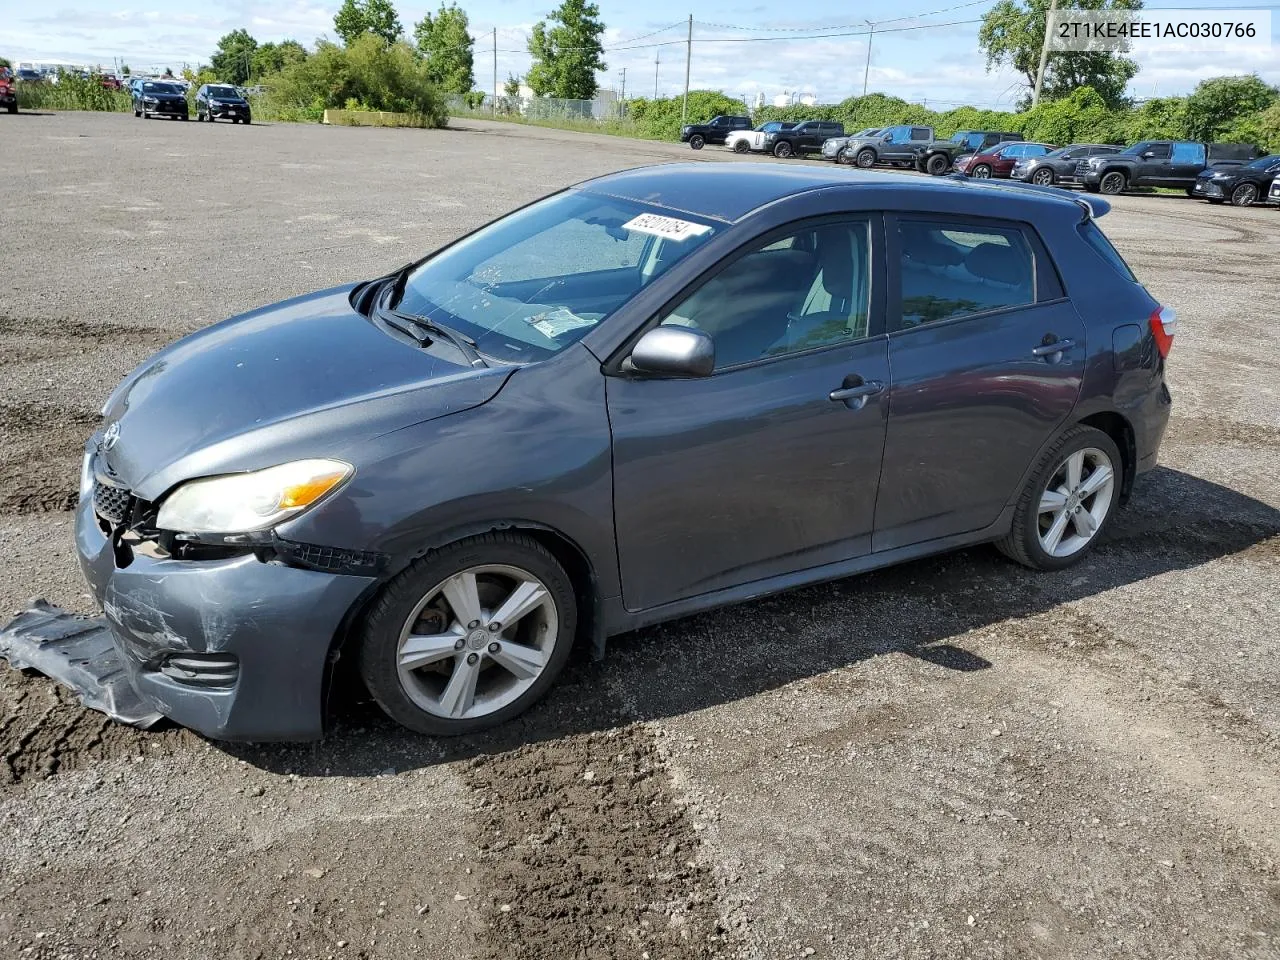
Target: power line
[840, 26]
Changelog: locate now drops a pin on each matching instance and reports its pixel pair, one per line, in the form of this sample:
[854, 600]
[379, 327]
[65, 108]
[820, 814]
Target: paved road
[955, 758]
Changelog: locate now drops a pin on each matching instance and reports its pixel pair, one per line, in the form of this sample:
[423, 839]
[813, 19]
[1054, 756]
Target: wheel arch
[1120, 430]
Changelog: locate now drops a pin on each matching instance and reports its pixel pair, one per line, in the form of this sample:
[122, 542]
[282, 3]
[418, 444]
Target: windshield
[1137, 149]
[534, 282]
[1263, 162]
[230, 92]
[160, 88]
[773, 126]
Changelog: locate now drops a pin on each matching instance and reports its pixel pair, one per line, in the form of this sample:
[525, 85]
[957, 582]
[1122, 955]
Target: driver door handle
[855, 392]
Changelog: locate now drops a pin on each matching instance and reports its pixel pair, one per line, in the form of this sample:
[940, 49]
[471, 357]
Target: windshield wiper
[424, 330]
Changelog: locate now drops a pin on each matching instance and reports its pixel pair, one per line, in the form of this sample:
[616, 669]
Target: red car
[8, 95]
[998, 161]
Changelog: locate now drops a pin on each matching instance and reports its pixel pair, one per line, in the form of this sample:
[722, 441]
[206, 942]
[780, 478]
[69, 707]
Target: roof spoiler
[1092, 206]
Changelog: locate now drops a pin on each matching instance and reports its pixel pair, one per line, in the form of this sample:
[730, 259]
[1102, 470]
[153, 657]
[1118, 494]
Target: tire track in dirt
[45, 730]
[588, 853]
[1250, 436]
[40, 450]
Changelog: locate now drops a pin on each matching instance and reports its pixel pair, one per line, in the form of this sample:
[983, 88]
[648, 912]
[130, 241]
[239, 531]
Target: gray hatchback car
[658, 392]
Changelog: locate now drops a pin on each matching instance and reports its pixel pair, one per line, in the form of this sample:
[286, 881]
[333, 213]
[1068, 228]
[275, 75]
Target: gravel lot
[954, 758]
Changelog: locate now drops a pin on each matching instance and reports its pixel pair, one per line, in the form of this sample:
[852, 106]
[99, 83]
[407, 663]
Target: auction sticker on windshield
[669, 228]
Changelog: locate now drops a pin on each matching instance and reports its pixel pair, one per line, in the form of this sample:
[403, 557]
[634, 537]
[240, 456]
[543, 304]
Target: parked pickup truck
[1160, 163]
[698, 135]
[806, 137]
[892, 145]
[940, 156]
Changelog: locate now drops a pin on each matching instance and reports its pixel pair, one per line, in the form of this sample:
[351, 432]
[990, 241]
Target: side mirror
[674, 352]
[1150, 154]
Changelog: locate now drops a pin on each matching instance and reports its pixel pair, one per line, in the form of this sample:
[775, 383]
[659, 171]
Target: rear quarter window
[1098, 240]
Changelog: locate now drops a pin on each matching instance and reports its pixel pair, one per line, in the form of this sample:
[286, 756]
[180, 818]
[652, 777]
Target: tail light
[1164, 324]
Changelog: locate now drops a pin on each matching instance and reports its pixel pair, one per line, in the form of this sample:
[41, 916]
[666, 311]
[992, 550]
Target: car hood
[308, 377]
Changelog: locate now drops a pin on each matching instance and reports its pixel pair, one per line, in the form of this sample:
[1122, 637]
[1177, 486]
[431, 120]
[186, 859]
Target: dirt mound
[44, 730]
[588, 853]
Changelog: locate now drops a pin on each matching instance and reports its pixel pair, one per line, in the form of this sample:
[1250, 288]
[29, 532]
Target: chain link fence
[606, 110]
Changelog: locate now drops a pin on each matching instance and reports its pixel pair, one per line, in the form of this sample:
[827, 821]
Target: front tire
[469, 636]
[1244, 195]
[741, 146]
[1043, 177]
[1113, 184]
[866, 159]
[697, 141]
[936, 165]
[981, 172]
[782, 150]
[1067, 503]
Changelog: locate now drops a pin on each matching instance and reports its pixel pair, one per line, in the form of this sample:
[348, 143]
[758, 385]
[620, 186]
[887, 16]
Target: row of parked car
[1218, 172]
[213, 101]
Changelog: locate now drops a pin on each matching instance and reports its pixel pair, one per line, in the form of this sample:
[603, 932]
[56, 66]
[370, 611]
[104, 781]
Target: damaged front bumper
[234, 648]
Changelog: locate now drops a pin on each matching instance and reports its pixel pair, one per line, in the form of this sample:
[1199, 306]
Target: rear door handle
[1049, 349]
[855, 395]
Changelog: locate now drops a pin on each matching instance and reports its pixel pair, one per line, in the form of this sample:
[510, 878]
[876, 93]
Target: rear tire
[419, 603]
[936, 165]
[1057, 499]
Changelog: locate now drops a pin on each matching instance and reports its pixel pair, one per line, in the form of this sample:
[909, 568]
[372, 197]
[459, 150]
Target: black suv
[806, 137]
[219, 101]
[940, 156]
[1242, 186]
[698, 135]
[156, 98]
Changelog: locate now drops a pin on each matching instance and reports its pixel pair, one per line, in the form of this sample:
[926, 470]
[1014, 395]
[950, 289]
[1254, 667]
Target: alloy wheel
[1076, 501]
[477, 641]
[1042, 177]
[982, 172]
[1113, 183]
[1244, 195]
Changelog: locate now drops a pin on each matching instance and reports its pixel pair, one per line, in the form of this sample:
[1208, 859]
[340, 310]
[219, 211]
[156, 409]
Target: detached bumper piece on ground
[79, 653]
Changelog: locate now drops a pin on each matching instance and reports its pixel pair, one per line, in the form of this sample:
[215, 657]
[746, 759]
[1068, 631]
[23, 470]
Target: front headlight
[245, 502]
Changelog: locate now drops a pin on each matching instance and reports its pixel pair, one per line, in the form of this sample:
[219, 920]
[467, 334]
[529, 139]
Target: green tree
[447, 46]
[368, 74]
[1219, 104]
[378, 17]
[270, 58]
[124, 70]
[233, 61]
[512, 87]
[1012, 34]
[568, 55]
[4, 63]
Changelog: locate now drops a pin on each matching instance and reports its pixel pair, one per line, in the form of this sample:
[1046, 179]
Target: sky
[940, 65]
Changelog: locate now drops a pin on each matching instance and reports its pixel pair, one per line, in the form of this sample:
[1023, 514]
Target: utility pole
[623, 96]
[688, 58]
[655, 72]
[1044, 51]
[867, 70]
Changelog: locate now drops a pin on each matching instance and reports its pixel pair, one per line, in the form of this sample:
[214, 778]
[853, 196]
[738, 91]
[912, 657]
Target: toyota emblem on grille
[111, 436]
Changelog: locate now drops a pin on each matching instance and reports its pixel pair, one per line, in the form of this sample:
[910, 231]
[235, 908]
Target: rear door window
[920, 133]
[1188, 153]
[952, 269]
